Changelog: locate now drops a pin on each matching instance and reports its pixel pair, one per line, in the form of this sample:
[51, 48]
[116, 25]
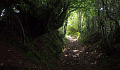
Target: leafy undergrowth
[40, 54]
[92, 38]
[77, 56]
[44, 53]
[103, 61]
[48, 49]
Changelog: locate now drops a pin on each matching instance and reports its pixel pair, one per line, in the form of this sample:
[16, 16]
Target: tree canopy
[91, 21]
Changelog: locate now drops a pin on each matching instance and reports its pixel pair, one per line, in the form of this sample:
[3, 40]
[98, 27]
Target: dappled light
[60, 34]
[72, 39]
[76, 55]
[72, 25]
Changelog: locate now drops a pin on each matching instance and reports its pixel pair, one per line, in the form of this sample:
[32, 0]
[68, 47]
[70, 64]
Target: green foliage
[95, 19]
[61, 31]
[72, 26]
[45, 50]
[90, 20]
[49, 51]
[39, 18]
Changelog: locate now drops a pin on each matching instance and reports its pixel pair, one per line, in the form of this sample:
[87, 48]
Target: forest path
[74, 57]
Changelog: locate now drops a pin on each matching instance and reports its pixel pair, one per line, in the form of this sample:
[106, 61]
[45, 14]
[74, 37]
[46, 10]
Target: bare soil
[75, 57]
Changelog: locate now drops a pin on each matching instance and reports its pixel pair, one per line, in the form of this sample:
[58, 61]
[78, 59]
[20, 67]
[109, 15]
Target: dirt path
[76, 58]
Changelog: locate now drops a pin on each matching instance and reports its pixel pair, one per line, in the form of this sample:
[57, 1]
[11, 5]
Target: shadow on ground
[78, 57]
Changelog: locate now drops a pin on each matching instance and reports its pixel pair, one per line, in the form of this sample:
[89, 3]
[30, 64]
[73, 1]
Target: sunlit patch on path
[73, 47]
[72, 39]
[71, 55]
[74, 56]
